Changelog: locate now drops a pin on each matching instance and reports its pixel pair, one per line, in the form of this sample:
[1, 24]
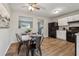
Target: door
[40, 26]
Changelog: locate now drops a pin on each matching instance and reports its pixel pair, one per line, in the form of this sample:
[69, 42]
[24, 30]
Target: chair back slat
[39, 41]
[42, 38]
[18, 37]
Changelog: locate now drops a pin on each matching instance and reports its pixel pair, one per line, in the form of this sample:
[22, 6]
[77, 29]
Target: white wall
[14, 24]
[4, 37]
[53, 20]
[4, 41]
[7, 8]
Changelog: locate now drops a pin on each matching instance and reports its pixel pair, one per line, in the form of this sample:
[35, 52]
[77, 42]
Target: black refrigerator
[52, 27]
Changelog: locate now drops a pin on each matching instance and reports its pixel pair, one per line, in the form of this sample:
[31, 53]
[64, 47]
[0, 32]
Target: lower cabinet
[71, 37]
[61, 34]
[77, 45]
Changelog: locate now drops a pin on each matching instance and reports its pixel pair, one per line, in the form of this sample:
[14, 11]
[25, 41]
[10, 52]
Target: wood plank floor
[50, 47]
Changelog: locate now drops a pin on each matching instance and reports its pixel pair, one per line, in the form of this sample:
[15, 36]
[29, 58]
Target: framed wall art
[4, 22]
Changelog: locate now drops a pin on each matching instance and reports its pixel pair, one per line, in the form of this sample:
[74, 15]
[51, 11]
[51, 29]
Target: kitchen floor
[50, 47]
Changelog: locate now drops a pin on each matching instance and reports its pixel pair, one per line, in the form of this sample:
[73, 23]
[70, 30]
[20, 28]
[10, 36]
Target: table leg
[27, 51]
[32, 52]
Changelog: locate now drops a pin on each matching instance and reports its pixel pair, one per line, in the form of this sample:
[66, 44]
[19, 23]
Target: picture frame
[4, 22]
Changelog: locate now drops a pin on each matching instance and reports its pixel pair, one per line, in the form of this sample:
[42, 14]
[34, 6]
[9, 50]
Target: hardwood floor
[50, 47]
[57, 47]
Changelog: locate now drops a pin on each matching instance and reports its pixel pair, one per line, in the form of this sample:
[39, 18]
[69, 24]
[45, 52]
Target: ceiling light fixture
[56, 11]
[31, 8]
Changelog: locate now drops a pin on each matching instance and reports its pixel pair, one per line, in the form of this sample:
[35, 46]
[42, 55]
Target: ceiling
[47, 8]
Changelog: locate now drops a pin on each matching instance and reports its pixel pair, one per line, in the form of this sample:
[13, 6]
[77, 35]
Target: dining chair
[19, 39]
[34, 33]
[36, 47]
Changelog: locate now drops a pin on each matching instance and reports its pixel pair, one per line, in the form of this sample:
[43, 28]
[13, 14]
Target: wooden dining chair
[19, 39]
[36, 47]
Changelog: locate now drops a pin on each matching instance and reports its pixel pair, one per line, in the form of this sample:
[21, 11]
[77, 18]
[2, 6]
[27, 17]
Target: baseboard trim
[7, 48]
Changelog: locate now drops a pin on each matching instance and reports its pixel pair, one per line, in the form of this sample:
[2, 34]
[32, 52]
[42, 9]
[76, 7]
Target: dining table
[31, 41]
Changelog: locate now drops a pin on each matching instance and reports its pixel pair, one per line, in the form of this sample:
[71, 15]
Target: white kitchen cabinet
[61, 34]
[77, 44]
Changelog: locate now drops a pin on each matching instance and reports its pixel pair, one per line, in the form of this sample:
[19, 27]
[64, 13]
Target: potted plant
[28, 30]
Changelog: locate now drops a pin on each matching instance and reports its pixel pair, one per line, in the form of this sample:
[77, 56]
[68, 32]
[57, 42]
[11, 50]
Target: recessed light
[56, 11]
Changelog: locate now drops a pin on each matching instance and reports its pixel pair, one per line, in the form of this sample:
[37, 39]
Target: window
[25, 22]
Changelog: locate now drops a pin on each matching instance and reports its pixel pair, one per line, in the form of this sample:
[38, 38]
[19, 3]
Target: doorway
[40, 26]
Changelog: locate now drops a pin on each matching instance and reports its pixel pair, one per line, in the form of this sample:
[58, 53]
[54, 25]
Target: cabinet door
[77, 46]
[71, 37]
[61, 35]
